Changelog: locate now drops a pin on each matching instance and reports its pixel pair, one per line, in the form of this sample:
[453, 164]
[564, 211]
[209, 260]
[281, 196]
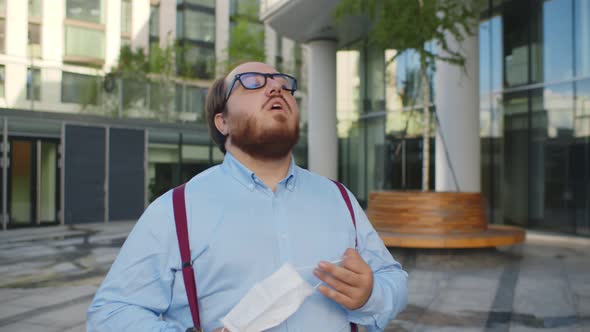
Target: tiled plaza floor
[49, 275]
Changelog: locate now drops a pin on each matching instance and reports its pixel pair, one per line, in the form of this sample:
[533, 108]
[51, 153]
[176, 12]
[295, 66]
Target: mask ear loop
[338, 261]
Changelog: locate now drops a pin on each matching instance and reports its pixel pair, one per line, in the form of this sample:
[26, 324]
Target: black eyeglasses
[253, 81]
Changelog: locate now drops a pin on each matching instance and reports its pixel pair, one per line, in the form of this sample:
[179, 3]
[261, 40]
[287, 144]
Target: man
[246, 218]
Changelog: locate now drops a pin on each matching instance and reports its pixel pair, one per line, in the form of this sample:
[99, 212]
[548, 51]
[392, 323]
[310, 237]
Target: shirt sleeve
[138, 287]
[390, 290]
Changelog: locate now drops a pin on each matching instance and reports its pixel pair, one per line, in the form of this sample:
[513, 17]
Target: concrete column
[288, 56]
[140, 24]
[222, 32]
[112, 34]
[323, 139]
[270, 45]
[167, 23]
[457, 105]
[52, 31]
[15, 93]
[16, 28]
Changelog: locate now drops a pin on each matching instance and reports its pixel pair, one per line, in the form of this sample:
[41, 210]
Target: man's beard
[266, 143]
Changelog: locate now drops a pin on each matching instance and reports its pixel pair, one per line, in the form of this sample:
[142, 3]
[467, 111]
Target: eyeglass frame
[237, 77]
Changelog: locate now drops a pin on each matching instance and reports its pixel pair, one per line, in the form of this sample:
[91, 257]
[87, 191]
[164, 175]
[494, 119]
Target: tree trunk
[426, 130]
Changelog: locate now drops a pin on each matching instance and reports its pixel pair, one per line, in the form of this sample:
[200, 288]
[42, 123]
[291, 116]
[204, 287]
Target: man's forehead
[250, 66]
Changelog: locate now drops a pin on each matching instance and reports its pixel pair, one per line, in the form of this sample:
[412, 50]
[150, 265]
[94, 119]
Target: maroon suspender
[185, 255]
[188, 274]
[353, 326]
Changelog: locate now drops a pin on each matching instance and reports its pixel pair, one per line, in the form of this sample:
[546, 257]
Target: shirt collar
[247, 177]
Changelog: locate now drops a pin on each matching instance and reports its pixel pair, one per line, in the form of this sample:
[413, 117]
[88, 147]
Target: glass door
[21, 182]
[33, 178]
[47, 188]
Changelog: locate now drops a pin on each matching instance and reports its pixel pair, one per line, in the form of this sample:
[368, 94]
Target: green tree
[137, 70]
[409, 25]
[246, 40]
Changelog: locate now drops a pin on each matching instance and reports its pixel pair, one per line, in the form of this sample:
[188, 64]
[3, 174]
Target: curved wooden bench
[417, 219]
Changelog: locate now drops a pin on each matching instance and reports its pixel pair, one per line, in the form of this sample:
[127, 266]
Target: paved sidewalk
[49, 275]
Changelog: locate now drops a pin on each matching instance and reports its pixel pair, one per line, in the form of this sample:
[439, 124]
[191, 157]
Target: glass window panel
[84, 42]
[34, 45]
[515, 163]
[161, 97]
[79, 89]
[179, 98]
[33, 84]
[551, 158]
[2, 34]
[126, 16]
[248, 8]
[206, 3]
[154, 21]
[199, 26]
[34, 8]
[198, 61]
[517, 18]
[195, 101]
[179, 24]
[2, 6]
[485, 66]
[580, 173]
[2, 80]
[347, 90]
[496, 53]
[536, 47]
[557, 40]
[582, 36]
[582, 112]
[83, 10]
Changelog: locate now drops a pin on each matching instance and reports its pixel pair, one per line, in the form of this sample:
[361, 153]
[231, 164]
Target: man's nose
[273, 87]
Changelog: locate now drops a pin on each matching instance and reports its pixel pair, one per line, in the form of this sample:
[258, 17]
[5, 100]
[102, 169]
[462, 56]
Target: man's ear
[221, 124]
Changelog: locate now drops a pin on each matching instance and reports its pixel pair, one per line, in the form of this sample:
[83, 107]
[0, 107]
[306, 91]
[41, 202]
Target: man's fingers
[335, 295]
[354, 262]
[338, 285]
[340, 273]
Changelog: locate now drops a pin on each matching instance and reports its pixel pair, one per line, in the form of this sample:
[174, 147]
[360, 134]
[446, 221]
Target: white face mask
[269, 302]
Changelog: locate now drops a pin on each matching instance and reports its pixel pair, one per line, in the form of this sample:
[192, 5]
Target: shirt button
[251, 186]
[283, 236]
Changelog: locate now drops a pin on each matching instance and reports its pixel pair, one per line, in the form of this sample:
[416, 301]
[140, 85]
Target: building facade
[80, 145]
[513, 124]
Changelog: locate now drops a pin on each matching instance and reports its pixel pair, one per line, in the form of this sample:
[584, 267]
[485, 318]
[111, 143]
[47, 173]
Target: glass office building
[534, 70]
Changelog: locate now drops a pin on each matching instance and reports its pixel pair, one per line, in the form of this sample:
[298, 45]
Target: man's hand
[352, 282]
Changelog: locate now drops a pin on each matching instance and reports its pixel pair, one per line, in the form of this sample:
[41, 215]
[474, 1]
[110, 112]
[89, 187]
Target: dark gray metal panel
[84, 174]
[126, 174]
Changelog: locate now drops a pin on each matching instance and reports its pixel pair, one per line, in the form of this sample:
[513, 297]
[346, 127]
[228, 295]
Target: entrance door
[32, 182]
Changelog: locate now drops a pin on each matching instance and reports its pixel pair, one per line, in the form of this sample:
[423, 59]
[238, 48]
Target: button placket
[281, 227]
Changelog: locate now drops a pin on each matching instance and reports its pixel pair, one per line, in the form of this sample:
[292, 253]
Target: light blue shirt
[240, 232]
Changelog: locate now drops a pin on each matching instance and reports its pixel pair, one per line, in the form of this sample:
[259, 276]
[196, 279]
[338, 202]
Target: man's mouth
[277, 105]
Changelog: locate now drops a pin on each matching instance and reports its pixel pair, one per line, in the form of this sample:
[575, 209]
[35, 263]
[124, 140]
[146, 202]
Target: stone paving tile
[77, 328]
[65, 317]
[450, 301]
[11, 310]
[517, 328]
[26, 327]
[33, 299]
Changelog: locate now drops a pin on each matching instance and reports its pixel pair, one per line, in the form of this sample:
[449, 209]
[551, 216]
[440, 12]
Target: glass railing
[166, 101]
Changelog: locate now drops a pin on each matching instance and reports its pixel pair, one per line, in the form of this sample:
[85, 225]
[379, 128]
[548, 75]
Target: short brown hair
[215, 104]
